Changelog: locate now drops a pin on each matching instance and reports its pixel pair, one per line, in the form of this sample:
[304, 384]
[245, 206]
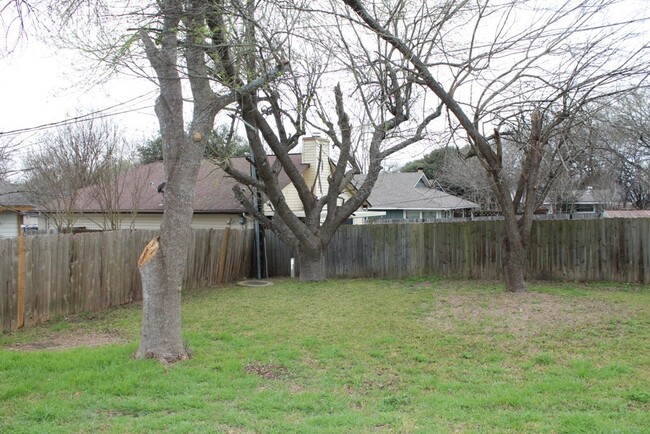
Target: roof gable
[410, 191]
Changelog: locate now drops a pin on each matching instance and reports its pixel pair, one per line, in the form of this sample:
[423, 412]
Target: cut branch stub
[149, 252]
[536, 126]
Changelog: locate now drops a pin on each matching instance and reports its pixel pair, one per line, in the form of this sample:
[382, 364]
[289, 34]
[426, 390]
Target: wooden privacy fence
[45, 276]
[568, 250]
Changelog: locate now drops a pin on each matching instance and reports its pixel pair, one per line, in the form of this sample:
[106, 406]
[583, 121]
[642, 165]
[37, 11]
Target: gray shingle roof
[11, 195]
[410, 191]
[590, 195]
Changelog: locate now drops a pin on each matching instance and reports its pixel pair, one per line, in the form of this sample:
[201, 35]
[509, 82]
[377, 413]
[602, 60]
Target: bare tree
[7, 151]
[193, 50]
[71, 158]
[633, 179]
[13, 15]
[280, 114]
[467, 178]
[613, 156]
[511, 67]
[625, 142]
[207, 34]
[109, 187]
[200, 43]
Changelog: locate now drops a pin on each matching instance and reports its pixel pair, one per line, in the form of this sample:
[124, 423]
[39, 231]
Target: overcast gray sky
[40, 86]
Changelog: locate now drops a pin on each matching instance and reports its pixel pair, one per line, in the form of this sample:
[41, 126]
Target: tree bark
[161, 312]
[312, 264]
[162, 263]
[514, 259]
[162, 272]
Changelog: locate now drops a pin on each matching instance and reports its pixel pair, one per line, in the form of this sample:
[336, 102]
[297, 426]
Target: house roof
[627, 214]
[410, 191]
[10, 195]
[594, 196]
[586, 196]
[213, 193]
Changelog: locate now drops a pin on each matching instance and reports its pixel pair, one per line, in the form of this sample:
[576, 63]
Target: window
[425, 215]
[412, 214]
[585, 207]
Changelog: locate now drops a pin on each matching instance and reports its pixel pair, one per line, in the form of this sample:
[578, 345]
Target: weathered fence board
[8, 283]
[66, 274]
[570, 250]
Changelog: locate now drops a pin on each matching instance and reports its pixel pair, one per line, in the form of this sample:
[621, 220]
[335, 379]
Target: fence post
[22, 271]
[223, 254]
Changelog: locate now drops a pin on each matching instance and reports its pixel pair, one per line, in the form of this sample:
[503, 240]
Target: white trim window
[427, 215]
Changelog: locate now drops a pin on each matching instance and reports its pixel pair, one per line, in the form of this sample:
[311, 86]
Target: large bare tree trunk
[312, 264]
[162, 264]
[514, 259]
[162, 275]
[161, 321]
[532, 80]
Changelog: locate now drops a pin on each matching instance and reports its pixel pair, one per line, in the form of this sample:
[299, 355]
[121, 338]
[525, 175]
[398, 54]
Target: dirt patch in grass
[524, 314]
[69, 339]
[270, 372]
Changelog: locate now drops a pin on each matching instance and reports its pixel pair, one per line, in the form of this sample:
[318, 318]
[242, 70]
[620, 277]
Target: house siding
[8, 224]
[315, 152]
[292, 199]
[153, 221]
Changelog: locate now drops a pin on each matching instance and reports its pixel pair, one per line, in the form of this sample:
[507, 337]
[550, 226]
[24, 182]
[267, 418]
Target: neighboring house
[13, 209]
[588, 201]
[139, 204]
[627, 214]
[318, 166]
[411, 196]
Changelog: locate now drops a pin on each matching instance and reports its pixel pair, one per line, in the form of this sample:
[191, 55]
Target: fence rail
[65, 274]
[496, 217]
[568, 250]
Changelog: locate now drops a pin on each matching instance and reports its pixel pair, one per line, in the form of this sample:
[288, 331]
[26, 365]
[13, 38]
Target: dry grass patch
[69, 339]
[524, 314]
[267, 371]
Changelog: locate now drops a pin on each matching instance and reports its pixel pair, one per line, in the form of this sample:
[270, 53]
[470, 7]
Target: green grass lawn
[357, 356]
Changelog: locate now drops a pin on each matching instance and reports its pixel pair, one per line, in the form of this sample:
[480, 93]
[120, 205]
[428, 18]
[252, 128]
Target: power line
[98, 114]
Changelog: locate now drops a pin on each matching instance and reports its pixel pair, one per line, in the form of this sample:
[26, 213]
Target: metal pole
[256, 223]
